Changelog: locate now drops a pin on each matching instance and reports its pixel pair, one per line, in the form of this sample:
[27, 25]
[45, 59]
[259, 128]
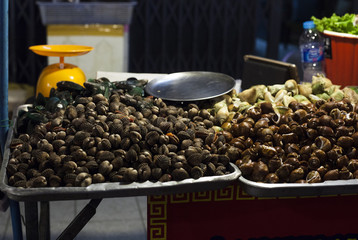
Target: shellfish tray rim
[333, 187]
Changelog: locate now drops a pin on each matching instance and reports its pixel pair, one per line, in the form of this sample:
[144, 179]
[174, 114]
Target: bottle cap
[308, 25]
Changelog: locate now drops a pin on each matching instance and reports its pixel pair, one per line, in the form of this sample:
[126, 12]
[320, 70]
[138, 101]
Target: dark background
[183, 35]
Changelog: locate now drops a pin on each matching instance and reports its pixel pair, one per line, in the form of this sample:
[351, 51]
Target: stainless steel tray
[107, 190]
[336, 187]
[190, 86]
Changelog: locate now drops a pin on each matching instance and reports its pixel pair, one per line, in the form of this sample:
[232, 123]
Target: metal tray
[336, 187]
[190, 86]
[107, 190]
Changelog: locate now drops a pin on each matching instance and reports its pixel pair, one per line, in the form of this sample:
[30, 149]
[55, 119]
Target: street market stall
[276, 161]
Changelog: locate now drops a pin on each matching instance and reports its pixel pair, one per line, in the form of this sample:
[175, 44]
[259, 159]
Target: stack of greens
[342, 24]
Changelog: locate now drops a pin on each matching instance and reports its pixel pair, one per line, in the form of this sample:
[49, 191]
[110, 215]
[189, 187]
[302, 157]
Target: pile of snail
[311, 143]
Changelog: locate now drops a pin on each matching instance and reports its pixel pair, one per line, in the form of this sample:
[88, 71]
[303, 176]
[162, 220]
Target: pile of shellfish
[123, 138]
[309, 144]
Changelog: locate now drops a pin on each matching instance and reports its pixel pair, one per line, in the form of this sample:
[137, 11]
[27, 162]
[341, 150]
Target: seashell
[71, 112]
[92, 166]
[91, 151]
[162, 139]
[11, 169]
[20, 184]
[50, 136]
[180, 126]
[156, 173]
[173, 139]
[323, 143]
[350, 118]
[152, 138]
[223, 159]
[86, 126]
[289, 138]
[135, 136]
[39, 155]
[313, 177]
[172, 148]
[163, 150]
[314, 163]
[162, 161]
[83, 180]
[165, 178]
[166, 127]
[39, 181]
[345, 142]
[353, 165]
[144, 172]
[47, 172]
[18, 176]
[211, 138]
[208, 124]
[98, 178]
[102, 108]
[61, 135]
[79, 137]
[342, 161]
[99, 97]
[205, 114]
[192, 112]
[311, 133]
[322, 171]
[331, 175]
[81, 169]
[54, 181]
[31, 173]
[180, 174]
[97, 131]
[24, 137]
[69, 167]
[271, 178]
[131, 156]
[194, 159]
[104, 144]
[105, 155]
[325, 131]
[220, 170]
[196, 172]
[115, 140]
[345, 174]
[117, 163]
[79, 155]
[105, 168]
[57, 144]
[283, 172]
[130, 175]
[44, 145]
[44, 165]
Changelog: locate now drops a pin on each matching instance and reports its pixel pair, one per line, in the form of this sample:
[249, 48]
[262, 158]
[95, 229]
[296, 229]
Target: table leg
[15, 220]
[31, 220]
[44, 227]
[80, 220]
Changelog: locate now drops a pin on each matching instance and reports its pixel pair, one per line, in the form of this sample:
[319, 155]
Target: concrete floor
[116, 218]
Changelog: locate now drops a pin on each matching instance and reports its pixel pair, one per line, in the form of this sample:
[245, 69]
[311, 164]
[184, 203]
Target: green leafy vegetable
[343, 24]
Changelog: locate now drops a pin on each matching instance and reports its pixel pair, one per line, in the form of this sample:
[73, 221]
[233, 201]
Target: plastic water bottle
[312, 51]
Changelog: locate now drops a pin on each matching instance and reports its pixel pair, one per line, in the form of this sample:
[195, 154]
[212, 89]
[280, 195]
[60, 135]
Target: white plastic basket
[86, 13]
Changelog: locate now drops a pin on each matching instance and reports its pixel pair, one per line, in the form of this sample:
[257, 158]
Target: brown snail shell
[313, 177]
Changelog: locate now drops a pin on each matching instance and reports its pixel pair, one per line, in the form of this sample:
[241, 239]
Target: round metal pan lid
[190, 86]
